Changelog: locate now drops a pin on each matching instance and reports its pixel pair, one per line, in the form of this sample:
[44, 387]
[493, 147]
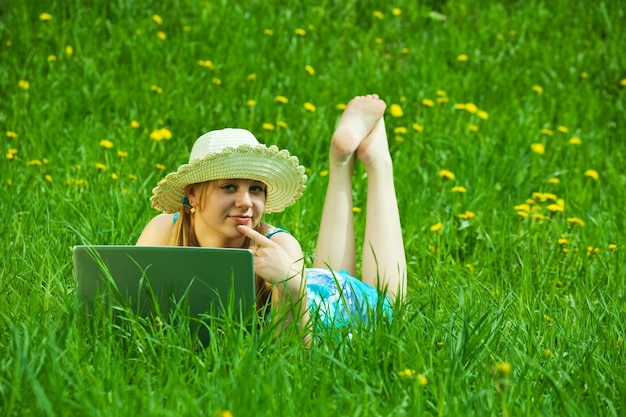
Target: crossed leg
[361, 133]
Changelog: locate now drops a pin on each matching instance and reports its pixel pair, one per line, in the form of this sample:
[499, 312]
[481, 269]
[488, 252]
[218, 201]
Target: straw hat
[233, 154]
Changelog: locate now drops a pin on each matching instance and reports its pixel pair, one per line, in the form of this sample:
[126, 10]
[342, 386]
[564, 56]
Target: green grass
[495, 289]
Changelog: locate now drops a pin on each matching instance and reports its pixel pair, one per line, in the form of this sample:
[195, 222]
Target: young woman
[218, 198]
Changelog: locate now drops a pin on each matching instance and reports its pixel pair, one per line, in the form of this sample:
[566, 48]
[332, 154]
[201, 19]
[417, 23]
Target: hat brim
[281, 172]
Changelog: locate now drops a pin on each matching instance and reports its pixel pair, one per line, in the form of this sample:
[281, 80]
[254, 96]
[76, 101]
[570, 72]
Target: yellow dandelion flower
[9, 182]
[48, 177]
[157, 19]
[132, 177]
[309, 69]
[440, 344]
[52, 58]
[134, 124]
[115, 176]
[421, 379]
[562, 129]
[522, 213]
[281, 123]
[101, 167]
[207, 63]
[555, 208]
[400, 130]
[11, 134]
[23, 84]
[482, 115]
[34, 163]
[460, 106]
[623, 82]
[440, 93]
[251, 77]
[436, 227]
[160, 134]
[613, 246]
[462, 58]
[268, 32]
[282, 99]
[160, 167]
[396, 110]
[538, 89]
[225, 413]
[563, 241]
[428, 102]
[356, 209]
[547, 353]
[503, 368]
[396, 11]
[69, 51]
[458, 189]
[539, 216]
[324, 173]
[432, 249]
[156, 89]
[592, 173]
[378, 14]
[122, 154]
[340, 106]
[576, 220]
[553, 180]
[300, 32]
[446, 174]
[471, 107]
[107, 144]
[268, 126]
[217, 81]
[468, 215]
[575, 141]
[592, 251]
[472, 127]
[407, 373]
[45, 17]
[442, 100]
[584, 74]
[309, 107]
[404, 50]
[547, 132]
[538, 148]
[418, 127]
[161, 35]
[250, 103]
[469, 267]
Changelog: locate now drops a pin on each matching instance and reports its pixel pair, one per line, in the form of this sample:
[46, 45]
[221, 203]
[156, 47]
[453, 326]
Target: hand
[271, 261]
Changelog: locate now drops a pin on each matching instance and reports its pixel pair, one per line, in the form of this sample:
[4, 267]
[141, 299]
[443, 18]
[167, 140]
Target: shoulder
[283, 238]
[158, 230]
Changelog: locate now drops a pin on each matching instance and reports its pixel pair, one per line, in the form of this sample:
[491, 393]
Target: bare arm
[281, 262]
[158, 231]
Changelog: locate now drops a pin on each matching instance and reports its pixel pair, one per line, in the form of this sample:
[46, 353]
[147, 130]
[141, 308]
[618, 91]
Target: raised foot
[359, 118]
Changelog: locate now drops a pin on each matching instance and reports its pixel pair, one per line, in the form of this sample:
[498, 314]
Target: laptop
[155, 280]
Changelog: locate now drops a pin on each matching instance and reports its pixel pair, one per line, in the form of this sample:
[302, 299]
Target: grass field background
[506, 124]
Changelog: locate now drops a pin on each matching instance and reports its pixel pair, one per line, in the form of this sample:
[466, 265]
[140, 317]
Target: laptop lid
[155, 278]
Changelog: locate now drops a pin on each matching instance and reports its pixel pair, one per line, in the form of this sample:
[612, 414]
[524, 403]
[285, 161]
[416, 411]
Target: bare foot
[374, 149]
[359, 118]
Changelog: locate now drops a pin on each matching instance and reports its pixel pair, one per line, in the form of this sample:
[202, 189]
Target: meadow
[507, 129]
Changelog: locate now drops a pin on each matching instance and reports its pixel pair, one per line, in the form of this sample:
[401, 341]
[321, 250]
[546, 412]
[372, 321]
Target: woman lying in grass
[219, 197]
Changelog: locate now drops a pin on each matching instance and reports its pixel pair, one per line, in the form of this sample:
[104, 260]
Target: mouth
[241, 219]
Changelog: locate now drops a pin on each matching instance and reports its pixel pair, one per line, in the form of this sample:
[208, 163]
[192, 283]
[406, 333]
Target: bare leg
[384, 262]
[335, 243]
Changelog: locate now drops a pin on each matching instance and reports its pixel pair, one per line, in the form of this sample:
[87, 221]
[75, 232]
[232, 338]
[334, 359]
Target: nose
[243, 199]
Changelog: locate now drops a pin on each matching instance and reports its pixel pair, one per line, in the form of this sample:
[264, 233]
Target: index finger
[255, 236]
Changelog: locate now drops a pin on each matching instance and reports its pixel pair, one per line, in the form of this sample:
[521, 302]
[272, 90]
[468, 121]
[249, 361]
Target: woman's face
[222, 205]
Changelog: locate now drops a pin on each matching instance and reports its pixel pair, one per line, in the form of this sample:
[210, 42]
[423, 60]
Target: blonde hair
[184, 234]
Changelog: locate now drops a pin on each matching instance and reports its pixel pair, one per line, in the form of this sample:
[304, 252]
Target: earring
[192, 210]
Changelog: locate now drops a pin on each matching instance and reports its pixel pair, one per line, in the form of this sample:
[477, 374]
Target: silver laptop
[153, 280]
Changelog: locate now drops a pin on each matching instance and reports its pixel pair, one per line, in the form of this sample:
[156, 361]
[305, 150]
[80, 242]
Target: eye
[257, 189]
[228, 187]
